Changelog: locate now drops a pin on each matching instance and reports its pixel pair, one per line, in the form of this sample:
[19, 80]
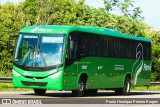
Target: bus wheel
[126, 89]
[81, 89]
[91, 92]
[40, 91]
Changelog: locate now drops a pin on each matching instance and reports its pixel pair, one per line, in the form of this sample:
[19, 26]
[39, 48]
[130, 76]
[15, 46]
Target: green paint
[102, 72]
[68, 29]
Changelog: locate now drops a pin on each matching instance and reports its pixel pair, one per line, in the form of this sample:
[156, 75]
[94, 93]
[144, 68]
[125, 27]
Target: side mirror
[71, 44]
[11, 39]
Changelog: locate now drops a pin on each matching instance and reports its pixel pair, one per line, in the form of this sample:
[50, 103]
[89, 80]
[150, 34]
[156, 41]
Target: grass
[144, 88]
[9, 87]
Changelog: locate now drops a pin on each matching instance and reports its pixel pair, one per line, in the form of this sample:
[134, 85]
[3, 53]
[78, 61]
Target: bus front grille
[34, 77]
[40, 84]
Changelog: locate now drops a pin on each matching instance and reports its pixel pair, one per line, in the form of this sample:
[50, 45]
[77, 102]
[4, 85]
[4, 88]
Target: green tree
[10, 25]
[126, 7]
[155, 36]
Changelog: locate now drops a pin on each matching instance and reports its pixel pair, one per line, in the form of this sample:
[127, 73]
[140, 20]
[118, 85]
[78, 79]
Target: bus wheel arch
[125, 90]
[127, 84]
[128, 76]
[81, 85]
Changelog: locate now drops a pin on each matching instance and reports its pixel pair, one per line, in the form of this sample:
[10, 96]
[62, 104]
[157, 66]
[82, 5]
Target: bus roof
[63, 29]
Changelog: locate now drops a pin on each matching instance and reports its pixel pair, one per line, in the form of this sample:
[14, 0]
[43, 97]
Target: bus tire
[91, 92]
[40, 91]
[81, 89]
[126, 89]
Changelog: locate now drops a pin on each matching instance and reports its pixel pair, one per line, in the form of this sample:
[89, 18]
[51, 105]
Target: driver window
[73, 45]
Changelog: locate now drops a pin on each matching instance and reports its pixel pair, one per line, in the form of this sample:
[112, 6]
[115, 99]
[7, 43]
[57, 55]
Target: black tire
[126, 89]
[40, 91]
[91, 92]
[81, 89]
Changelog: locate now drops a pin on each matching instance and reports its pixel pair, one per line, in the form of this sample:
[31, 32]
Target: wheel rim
[81, 86]
[128, 87]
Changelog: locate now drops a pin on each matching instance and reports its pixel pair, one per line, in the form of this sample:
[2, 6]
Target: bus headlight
[55, 75]
[15, 73]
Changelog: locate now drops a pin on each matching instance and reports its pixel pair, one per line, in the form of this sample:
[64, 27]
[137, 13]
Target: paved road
[67, 94]
[65, 97]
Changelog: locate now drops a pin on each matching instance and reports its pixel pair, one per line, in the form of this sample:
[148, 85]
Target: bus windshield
[39, 50]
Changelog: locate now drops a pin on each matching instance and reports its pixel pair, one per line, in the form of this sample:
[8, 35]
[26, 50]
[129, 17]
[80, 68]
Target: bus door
[71, 64]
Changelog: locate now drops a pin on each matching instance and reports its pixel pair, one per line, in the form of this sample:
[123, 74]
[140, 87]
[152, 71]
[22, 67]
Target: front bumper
[55, 83]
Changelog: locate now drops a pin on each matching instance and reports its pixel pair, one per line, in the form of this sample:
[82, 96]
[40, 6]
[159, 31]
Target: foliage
[126, 8]
[155, 36]
[10, 25]
[70, 12]
[154, 75]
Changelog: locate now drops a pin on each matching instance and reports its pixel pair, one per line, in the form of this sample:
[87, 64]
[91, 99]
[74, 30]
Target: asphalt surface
[68, 94]
[65, 97]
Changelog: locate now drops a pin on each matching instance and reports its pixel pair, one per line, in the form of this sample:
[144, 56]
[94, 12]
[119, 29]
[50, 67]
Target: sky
[150, 8]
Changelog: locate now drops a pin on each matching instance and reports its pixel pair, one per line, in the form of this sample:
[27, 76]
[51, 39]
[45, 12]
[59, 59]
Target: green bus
[82, 59]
